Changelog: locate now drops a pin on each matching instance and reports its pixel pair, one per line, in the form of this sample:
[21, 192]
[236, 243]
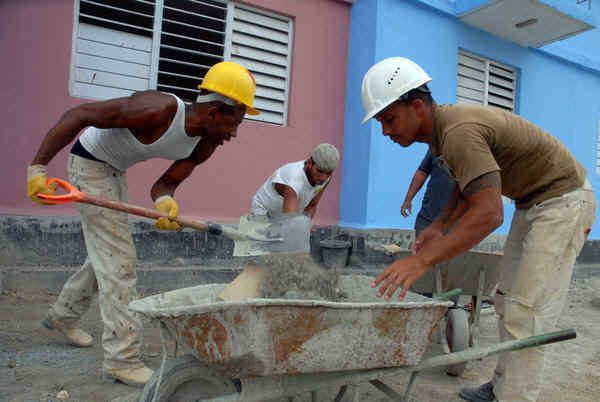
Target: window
[122, 46]
[485, 82]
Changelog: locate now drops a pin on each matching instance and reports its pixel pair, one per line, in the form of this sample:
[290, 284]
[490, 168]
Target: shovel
[266, 239]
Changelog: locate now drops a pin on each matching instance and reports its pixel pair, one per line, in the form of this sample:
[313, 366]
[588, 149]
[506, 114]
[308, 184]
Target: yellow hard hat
[233, 81]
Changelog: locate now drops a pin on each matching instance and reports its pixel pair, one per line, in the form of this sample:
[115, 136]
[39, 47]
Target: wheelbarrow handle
[448, 295]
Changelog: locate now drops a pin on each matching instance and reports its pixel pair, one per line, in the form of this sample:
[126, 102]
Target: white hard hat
[387, 81]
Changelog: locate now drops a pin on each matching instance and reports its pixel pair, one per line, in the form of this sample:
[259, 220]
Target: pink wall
[36, 41]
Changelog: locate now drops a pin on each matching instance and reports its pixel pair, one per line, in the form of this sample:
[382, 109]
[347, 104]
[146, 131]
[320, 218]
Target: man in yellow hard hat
[118, 134]
[490, 152]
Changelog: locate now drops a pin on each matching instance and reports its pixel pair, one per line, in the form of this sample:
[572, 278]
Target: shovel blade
[293, 230]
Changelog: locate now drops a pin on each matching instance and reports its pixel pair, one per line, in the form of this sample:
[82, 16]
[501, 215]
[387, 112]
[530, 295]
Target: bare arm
[415, 185]
[145, 111]
[311, 208]
[181, 169]
[482, 214]
[452, 212]
[290, 198]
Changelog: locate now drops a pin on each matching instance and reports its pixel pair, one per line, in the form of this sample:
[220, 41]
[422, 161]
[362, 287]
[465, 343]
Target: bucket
[335, 253]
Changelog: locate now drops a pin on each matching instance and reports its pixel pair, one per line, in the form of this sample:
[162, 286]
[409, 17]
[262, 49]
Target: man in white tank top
[297, 187]
[121, 132]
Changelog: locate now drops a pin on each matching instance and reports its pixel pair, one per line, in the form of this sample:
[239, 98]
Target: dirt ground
[36, 365]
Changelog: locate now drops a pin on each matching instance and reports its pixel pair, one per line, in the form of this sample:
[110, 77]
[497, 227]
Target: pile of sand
[298, 276]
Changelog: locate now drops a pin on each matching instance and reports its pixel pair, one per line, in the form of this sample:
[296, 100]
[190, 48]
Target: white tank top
[267, 200]
[120, 149]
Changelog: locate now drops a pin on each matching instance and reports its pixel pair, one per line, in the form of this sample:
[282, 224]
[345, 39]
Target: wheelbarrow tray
[266, 337]
[461, 272]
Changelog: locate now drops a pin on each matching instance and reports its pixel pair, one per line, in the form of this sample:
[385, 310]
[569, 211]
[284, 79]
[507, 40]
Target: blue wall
[559, 96]
[357, 142]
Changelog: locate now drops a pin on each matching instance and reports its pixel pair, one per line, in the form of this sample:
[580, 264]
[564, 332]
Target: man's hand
[37, 179]
[401, 273]
[428, 235]
[167, 205]
[406, 208]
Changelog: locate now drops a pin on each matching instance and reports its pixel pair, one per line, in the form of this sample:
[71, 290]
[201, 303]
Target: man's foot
[136, 377]
[76, 336]
[482, 393]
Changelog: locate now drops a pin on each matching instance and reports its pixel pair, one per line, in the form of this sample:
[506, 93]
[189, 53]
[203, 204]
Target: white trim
[289, 73]
[228, 30]
[74, 47]
[598, 147]
[156, 36]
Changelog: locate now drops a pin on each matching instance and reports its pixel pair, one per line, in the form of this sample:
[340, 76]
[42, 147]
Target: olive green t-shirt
[475, 140]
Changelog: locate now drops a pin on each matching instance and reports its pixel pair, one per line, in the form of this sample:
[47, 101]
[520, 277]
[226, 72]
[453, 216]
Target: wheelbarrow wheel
[457, 334]
[186, 379]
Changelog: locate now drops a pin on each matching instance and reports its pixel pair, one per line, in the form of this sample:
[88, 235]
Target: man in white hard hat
[297, 187]
[118, 134]
[490, 152]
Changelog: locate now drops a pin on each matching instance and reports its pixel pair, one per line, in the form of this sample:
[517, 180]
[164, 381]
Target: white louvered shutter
[112, 48]
[262, 43]
[122, 46]
[485, 82]
[192, 40]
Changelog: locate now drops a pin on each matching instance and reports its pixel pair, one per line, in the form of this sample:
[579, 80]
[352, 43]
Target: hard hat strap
[215, 97]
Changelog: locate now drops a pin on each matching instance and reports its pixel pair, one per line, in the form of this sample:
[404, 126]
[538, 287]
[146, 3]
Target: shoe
[482, 393]
[137, 377]
[76, 336]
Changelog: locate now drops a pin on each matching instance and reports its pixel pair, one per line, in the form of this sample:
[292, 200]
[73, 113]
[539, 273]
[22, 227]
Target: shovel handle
[75, 195]
[72, 195]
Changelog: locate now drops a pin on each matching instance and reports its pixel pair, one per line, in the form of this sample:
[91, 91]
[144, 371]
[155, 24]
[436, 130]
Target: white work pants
[109, 268]
[536, 269]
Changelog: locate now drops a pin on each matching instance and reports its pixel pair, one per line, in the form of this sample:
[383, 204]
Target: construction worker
[438, 192]
[490, 152]
[297, 187]
[121, 132]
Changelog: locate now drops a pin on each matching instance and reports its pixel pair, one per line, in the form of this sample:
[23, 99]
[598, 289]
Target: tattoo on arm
[483, 182]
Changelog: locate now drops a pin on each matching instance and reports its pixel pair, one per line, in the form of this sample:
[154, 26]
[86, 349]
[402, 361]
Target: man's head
[395, 93]
[321, 164]
[228, 92]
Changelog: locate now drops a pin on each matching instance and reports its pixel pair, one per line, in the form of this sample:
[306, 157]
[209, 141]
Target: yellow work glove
[167, 205]
[36, 183]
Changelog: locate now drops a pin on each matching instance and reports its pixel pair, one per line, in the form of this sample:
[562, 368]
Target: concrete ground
[38, 365]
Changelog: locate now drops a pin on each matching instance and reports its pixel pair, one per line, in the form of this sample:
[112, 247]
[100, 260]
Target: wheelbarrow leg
[340, 393]
[355, 392]
[437, 279]
[393, 395]
[477, 308]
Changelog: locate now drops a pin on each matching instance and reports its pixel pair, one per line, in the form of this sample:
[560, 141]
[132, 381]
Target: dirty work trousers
[536, 269]
[109, 269]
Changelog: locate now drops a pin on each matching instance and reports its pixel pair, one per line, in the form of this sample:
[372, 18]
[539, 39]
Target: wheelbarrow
[476, 273]
[263, 349]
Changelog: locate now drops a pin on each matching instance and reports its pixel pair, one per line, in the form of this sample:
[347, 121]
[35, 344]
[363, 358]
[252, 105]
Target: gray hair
[326, 156]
